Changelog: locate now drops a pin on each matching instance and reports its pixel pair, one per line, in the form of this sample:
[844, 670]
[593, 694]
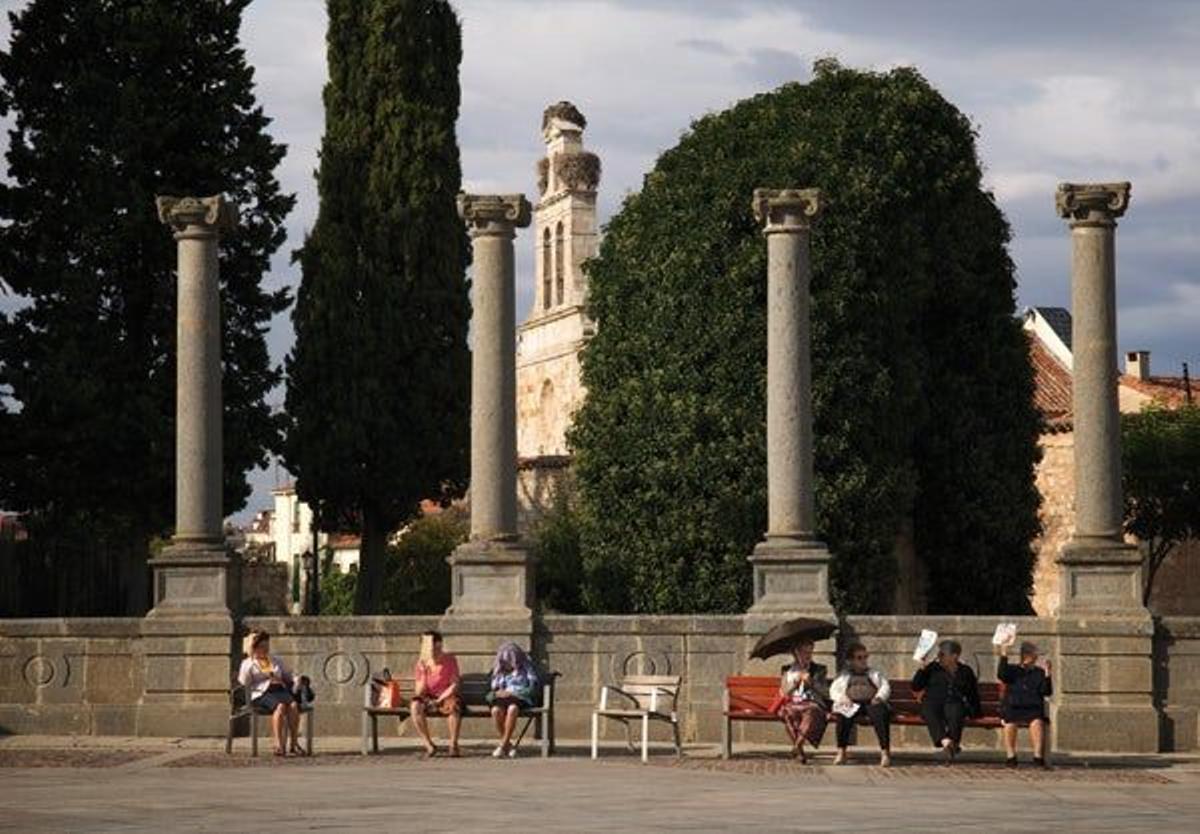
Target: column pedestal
[791, 576]
[493, 578]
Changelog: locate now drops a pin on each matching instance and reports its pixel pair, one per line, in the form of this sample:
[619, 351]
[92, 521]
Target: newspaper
[846, 708]
[924, 643]
[1006, 634]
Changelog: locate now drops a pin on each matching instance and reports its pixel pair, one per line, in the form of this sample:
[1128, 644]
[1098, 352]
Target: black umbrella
[784, 637]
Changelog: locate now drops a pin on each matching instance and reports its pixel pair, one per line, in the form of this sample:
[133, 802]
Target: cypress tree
[922, 389]
[113, 102]
[378, 381]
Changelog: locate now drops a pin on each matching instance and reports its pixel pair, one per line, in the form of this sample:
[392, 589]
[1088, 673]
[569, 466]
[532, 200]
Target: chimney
[1137, 364]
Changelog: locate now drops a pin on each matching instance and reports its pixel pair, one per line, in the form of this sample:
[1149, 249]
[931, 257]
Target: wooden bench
[749, 698]
[473, 690]
[240, 707]
[642, 698]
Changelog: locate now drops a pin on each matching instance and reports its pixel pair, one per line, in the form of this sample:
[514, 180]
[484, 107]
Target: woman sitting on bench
[436, 691]
[269, 686]
[951, 696]
[514, 687]
[864, 690]
[1027, 686]
[805, 690]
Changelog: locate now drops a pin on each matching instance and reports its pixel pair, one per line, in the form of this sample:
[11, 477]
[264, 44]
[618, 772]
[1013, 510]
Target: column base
[492, 578]
[1101, 576]
[791, 576]
[192, 578]
[1106, 728]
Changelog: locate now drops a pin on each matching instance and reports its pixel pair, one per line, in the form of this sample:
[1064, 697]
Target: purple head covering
[511, 659]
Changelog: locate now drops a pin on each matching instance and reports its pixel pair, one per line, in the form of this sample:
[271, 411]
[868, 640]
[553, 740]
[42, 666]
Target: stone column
[1099, 570]
[187, 639]
[1104, 687]
[791, 567]
[492, 573]
[191, 574]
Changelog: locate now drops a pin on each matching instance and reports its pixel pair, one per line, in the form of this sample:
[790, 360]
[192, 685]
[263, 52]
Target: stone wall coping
[364, 626]
[72, 627]
[1180, 627]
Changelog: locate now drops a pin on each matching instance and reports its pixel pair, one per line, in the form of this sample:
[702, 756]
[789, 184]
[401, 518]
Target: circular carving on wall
[645, 663]
[339, 668]
[42, 670]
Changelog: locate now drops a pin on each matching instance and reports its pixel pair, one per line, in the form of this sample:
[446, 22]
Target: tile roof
[1052, 386]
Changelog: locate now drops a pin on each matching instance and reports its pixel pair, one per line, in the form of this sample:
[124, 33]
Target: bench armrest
[616, 690]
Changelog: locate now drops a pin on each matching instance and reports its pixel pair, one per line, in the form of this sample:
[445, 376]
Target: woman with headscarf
[515, 686]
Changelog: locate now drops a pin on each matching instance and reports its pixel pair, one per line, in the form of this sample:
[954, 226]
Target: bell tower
[549, 389]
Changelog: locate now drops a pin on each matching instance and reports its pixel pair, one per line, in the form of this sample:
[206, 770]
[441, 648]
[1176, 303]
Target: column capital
[493, 214]
[786, 209]
[1091, 203]
[196, 216]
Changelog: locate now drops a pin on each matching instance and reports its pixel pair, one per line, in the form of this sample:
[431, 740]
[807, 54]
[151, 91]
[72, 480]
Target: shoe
[498, 753]
[1038, 762]
[1011, 762]
[885, 759]
[512, 752]
[840, 758]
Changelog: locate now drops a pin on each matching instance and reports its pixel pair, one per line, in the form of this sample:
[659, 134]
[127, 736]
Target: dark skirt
[270, 700]
[1023, 715]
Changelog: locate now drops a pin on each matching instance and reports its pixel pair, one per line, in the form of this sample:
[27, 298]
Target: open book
[846, 708]
[924, 643]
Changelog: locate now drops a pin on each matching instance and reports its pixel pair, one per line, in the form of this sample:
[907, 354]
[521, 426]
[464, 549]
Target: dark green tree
[113, 102]
[1160, 468]
[922, 386]
[378, 382]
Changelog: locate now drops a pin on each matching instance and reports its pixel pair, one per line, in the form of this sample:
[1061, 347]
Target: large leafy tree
[378, 382]
[113, 102]
[922, 386]
[1160, 468]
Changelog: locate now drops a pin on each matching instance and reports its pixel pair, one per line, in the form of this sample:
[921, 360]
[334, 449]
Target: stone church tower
[549, 389]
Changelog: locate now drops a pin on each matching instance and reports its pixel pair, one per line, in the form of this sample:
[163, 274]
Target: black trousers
[880, 715]
[944, 720]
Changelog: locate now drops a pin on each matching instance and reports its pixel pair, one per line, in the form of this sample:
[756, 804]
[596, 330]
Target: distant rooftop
[1059, 319]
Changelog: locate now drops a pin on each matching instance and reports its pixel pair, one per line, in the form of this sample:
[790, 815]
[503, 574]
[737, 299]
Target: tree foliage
[114, 102]
[378, 394]
[922, 385]
[1160, 467]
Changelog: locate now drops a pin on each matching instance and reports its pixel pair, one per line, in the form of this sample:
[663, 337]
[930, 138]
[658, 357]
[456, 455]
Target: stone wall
[106, 677]
[1055, 478]
[265, 588]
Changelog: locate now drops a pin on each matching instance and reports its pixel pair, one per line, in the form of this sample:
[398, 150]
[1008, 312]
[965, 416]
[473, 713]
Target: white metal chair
[643, 698]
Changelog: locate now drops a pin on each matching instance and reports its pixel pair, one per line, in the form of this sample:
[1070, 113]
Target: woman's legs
[293, 715]
[498, 719]
[422, 724]
[510, 724]
[935, 722]
[1010, 740]
[278, 721]
[881, 719]
[955, 714]
[1037, 735]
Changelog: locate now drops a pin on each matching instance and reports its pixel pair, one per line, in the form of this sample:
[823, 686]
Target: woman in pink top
[436, 691]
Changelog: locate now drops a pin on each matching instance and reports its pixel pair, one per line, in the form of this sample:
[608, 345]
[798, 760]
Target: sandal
[455, 753]
[280, 752]
[431, 752]
[297, 750]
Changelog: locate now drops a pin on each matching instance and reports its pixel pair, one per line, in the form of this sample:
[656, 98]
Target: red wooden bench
[749, 698]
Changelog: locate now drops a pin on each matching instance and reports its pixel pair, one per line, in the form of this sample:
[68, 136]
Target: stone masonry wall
[1055, 478]
[104, 677]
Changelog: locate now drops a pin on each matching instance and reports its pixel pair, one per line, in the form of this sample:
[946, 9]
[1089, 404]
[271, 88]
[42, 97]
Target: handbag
[389, 695]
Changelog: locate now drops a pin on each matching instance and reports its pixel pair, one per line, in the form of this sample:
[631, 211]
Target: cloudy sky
[1091, 91]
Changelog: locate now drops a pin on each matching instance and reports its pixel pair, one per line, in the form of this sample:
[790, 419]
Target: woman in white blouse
[269, 686]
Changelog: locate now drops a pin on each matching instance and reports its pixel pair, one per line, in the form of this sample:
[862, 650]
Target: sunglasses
[860, 657]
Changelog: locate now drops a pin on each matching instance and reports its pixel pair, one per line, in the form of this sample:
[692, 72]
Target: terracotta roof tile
[1052, 386]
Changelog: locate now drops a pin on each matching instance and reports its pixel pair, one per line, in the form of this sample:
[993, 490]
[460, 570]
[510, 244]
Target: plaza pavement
[103, 785]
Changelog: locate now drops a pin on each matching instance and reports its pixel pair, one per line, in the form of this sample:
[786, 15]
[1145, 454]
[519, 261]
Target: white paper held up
[924, 643]
[1006, 634]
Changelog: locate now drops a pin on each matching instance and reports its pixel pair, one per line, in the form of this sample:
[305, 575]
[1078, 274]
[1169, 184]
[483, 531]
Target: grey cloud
[707, 46]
